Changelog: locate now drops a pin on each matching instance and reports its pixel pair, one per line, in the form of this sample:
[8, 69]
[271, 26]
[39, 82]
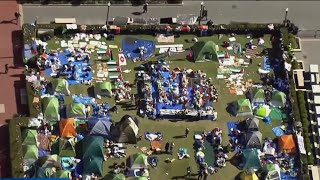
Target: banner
[122, 60]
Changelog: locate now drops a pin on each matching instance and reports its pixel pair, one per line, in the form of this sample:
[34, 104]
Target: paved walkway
[305, 14]
[11, 84]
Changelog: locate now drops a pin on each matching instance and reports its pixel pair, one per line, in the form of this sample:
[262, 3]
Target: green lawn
[171, 129]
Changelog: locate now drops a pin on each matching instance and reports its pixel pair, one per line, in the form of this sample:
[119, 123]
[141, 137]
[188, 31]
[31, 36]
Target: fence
[315, 34]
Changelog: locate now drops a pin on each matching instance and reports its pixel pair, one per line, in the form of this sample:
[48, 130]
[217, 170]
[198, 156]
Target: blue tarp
[266, 63]
[80, 67]
[83, 99]
[131, 47]
[278, 131]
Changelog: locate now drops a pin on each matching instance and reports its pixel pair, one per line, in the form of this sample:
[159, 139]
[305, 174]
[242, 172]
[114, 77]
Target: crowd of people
[189, 88]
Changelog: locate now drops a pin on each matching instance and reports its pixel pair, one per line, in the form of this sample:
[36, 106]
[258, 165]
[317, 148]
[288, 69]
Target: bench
[65, 20]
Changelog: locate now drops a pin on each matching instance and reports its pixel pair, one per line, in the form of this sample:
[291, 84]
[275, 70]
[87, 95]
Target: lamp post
[286, 16]
[201, 9]
[109, 4]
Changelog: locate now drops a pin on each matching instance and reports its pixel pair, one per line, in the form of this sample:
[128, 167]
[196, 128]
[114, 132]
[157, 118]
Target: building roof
[316, 99]
[316, 89]
[318, 110]
[314, 68]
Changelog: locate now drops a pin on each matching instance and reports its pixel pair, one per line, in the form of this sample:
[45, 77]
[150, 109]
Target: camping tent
[29, 137]
[62, 174]
[30, 151]
[262, 111]
[242, 107]
[138, 161]
[67, 128]
[248, 176]
[272, 172]
[41, 172]
[257, 96]
[66, 147]
[119, 177]
[48, 161]
[100, 127]
[76, 110]
[103, 89]
[204, 51]
[252, 124]
[93, 147]
[253, 140]
[60, 86]
[251, 159]
[126, 130]
[50, 108]
[278, 99]
[287, 144]
[92, 165]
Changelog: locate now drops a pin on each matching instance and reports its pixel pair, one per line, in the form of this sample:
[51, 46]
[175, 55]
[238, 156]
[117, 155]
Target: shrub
[292, 40]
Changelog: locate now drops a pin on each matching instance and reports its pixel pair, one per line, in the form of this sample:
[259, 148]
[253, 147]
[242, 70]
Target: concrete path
[305, 14]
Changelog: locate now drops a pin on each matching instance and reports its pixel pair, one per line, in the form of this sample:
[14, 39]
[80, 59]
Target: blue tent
[99, 126]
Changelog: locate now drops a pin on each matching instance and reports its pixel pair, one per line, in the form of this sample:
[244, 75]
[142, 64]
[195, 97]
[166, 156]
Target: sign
[122, 60]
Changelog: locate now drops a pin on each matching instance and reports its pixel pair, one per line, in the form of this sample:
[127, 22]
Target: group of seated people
[123, 90]
[114, 150]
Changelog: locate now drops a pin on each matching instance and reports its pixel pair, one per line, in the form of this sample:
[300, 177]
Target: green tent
[60, 86]
[119, 177]
[242, 107]
[50, 108]
[257, 96]
[251, 159]
[93, 146]
[67, 147]
[204, 51]
[41, 172]
[92, 165]
[29, 137]
[76, 110]
[48, 161]
[271, 171]
[140, 178]
[138, 161]
[30, 151]
[278, 99]
[263, 111]
[103, 89]
[62, 174]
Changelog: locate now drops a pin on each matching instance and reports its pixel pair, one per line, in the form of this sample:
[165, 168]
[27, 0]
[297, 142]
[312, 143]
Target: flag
[122, 60]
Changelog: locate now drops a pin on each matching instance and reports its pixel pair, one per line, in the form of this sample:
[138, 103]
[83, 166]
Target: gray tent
[126, 130]
[252, 124]
[99, 126]
[253, 140]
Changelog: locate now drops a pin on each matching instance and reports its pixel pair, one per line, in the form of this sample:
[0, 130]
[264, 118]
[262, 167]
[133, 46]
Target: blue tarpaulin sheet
[266, 63]
[131, 47]
[83, 99]
[278, 131]
[80, 66]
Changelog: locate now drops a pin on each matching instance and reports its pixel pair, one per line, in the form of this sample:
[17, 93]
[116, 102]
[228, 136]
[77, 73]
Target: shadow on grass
[127, 106]
[235, 160]
[90, 91]
[184, 178]
[179, 137]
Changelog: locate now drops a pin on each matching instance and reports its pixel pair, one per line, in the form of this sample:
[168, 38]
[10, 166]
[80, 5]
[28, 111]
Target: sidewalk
[11, 84]
[304, 14]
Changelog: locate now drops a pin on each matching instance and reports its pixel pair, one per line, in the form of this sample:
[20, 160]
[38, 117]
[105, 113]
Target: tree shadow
[18, 86]
[17, 43]
[4, 151]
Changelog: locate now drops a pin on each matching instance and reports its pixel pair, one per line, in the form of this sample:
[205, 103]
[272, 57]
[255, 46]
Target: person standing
[17, 15]
[6, 68]
[251, 60]
[189, 171]
[200, 174]
[145, 8]
[186, 132]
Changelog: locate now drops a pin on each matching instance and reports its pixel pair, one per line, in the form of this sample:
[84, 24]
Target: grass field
[177, 169]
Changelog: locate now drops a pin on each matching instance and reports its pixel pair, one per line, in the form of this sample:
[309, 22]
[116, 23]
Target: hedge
[305, 126]
[15, 141]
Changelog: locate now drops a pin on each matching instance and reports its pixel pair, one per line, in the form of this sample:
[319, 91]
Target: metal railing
[314, 34]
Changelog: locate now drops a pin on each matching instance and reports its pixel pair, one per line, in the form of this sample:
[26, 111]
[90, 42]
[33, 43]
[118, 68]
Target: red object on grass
[118, 30]
[108, 52]
[120, 76]
[185, 29]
